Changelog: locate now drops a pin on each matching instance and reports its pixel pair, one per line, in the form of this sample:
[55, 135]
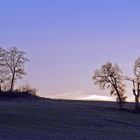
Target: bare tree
[4, 73]
[110, 76]
[14, 61]
[136, 82]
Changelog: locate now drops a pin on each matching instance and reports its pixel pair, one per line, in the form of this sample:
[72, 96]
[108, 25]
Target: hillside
[66, 120]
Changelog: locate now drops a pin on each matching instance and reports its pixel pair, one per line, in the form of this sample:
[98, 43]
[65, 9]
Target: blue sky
[66, 40]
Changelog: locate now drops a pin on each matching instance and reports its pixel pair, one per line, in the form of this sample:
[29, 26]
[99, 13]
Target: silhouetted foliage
[110, 76]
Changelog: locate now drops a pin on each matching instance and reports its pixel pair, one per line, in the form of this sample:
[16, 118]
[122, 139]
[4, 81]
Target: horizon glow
[67, 40]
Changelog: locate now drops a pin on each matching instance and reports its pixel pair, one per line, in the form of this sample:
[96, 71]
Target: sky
[66, 40]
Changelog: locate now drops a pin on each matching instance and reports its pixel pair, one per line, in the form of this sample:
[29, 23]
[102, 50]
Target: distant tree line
[110, 77]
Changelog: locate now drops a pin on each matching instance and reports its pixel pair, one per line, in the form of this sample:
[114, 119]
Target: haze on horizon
[67, 40]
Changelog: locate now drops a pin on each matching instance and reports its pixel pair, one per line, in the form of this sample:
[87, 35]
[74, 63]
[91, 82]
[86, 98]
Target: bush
[25, 91]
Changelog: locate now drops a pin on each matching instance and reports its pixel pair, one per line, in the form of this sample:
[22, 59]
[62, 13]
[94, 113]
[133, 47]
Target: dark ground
[45, 119]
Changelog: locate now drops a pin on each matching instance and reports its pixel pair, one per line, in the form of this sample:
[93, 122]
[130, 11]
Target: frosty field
[46, 119]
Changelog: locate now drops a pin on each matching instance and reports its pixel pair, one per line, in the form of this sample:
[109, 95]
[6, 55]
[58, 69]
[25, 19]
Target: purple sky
[67, 40]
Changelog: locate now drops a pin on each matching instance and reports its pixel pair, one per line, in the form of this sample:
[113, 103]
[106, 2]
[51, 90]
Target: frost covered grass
[40, 119]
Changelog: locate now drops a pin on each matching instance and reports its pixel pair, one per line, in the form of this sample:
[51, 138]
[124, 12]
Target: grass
[39, 119]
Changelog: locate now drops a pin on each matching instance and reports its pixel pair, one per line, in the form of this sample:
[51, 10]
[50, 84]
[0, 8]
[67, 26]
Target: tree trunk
[136, 103]
[119, 97]
[118, 94]
[120, 104]
[136, 99]
[0, 89]
[12, 82]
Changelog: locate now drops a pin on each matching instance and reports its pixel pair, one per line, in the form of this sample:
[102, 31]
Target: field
[46, 119]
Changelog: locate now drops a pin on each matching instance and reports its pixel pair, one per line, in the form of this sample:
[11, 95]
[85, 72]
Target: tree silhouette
[4, 72]
[110, 76]
[14, 61]
[136, 82]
